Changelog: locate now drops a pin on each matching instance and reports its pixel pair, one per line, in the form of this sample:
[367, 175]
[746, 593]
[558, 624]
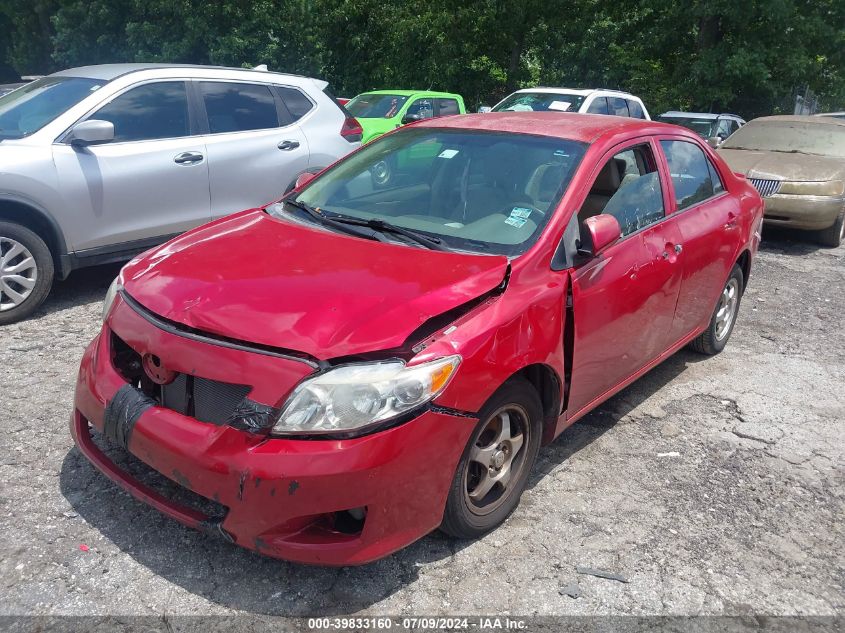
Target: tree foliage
[718, 55]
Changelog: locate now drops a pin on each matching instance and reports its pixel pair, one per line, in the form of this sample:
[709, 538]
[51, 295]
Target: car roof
[699, 115]
[585, 128]
[108, 72]
[802, 118]
[575, 91]
[410, 93]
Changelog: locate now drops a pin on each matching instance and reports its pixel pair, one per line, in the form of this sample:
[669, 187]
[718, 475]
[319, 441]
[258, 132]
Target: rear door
[255, 148]
[149, 183]
[624, 299]
[706, 216]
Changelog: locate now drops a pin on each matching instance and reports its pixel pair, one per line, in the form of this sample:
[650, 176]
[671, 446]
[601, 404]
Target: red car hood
[259, 279]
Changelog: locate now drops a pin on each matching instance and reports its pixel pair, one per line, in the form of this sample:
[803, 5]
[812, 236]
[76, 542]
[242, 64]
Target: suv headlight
[355, 397]
[111, 294]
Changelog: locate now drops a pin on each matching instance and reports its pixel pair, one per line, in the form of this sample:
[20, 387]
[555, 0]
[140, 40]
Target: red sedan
[383, 352]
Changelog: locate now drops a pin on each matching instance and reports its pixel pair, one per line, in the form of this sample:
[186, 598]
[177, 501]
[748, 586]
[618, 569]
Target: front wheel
[26, 272]
[834, 234]
[494, 469]
[715, 337]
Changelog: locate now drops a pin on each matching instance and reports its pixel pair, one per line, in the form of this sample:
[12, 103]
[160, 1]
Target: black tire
[43, 275]
[713, 339]
[834, 234]
[462, 517]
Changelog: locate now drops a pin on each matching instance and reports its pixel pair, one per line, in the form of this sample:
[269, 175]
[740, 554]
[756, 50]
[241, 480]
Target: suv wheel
[835, 234]
[26, 272]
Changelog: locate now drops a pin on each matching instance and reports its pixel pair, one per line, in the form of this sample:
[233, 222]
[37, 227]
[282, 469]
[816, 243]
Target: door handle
[288, 145]
[187, 158]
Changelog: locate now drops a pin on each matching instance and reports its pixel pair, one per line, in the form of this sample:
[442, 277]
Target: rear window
[238, 107]
[540, 102]
[376, 106]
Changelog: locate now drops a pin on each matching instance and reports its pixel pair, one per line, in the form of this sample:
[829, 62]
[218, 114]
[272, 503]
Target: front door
[624, 299]
[150, 182]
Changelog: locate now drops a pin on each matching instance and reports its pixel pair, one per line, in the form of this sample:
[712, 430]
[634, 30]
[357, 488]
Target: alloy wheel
[18, 273]
[726, 311]
[496, 459]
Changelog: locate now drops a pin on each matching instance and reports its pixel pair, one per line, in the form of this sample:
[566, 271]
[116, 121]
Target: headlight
[813, 188]
[111, 293]
[360, 396]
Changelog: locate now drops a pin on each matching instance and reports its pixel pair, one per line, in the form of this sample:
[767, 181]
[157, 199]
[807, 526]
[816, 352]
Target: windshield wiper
[327, 221]
[382, 226]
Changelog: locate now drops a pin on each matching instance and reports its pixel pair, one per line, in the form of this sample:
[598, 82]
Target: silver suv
[100, 163]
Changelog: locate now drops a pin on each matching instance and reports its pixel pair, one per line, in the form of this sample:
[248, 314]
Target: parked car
[7, 88]
[102, 162]
[381, 111]
[714, 128]
[797, 163]
[590, 101]
[339, 373]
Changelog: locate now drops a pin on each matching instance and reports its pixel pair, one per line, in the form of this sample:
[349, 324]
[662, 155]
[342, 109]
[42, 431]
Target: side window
[151, 111]
[447, 107]
[237, 107]
[598, 106]
[297, 103]
[628, 188]
[423, 108]
[636, 110]
[725, 129]
[618, 106]
[693, 178]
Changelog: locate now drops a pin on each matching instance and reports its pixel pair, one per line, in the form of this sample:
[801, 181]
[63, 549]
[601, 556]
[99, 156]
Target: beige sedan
[797, 163]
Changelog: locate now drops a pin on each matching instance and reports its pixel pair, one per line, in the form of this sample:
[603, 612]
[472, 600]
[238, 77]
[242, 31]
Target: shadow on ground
[82, 286]
[239, 579]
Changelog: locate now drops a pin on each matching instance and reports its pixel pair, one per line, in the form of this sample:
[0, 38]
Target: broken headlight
[355, 397]
[111, 294]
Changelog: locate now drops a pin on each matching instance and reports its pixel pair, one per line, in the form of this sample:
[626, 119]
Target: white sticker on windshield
[520, 212]
[563, 106]
[448, 153]
[517, 222]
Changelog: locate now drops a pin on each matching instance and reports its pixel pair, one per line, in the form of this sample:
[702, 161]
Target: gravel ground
[713, 485]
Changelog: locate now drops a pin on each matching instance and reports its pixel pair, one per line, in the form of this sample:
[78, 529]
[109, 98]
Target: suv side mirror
[714, 141]
[304, 179]
[602, 230]
[92, 132]
[410, 118]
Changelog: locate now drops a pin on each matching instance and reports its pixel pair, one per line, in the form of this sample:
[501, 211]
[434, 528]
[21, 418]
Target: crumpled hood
[784, 166]
[268, 281]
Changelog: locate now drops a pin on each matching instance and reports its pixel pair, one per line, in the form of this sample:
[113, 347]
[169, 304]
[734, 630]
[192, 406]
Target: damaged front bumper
[286, 498]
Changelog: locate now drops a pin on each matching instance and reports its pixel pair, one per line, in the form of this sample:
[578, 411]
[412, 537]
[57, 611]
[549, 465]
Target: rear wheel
[492, 473]
[26, 272]
[715, 337]
[833, 235]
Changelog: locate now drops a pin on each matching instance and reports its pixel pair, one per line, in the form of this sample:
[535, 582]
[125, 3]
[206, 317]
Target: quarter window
[693, 177]
[152, 111]
[237, 107]
[598, 106]
[297, 103]
[636, 110]
[618, 106]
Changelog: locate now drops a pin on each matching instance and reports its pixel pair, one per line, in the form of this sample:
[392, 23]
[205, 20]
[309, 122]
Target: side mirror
[92, 132]
[714, 141]
[410, 118]
[304, 179]
[602, 230]
[484, 109]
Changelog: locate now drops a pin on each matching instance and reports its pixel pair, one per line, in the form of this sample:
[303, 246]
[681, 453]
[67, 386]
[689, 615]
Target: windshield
[375, 106]
[28, 109]
[540, 102]
[807, 137]
[703, 127]
[477, 191]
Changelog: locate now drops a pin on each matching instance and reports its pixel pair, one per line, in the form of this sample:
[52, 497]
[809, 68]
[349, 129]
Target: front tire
[26, 272]
[494, 469]
[833, 235]
[715, 337]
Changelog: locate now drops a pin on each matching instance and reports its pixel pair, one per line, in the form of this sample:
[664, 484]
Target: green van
[380, 111]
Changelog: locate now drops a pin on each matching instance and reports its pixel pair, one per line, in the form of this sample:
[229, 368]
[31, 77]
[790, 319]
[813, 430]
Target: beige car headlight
[356, 397]
[813, 188]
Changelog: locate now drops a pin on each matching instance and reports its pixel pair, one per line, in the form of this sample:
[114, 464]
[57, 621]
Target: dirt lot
[713, 485]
